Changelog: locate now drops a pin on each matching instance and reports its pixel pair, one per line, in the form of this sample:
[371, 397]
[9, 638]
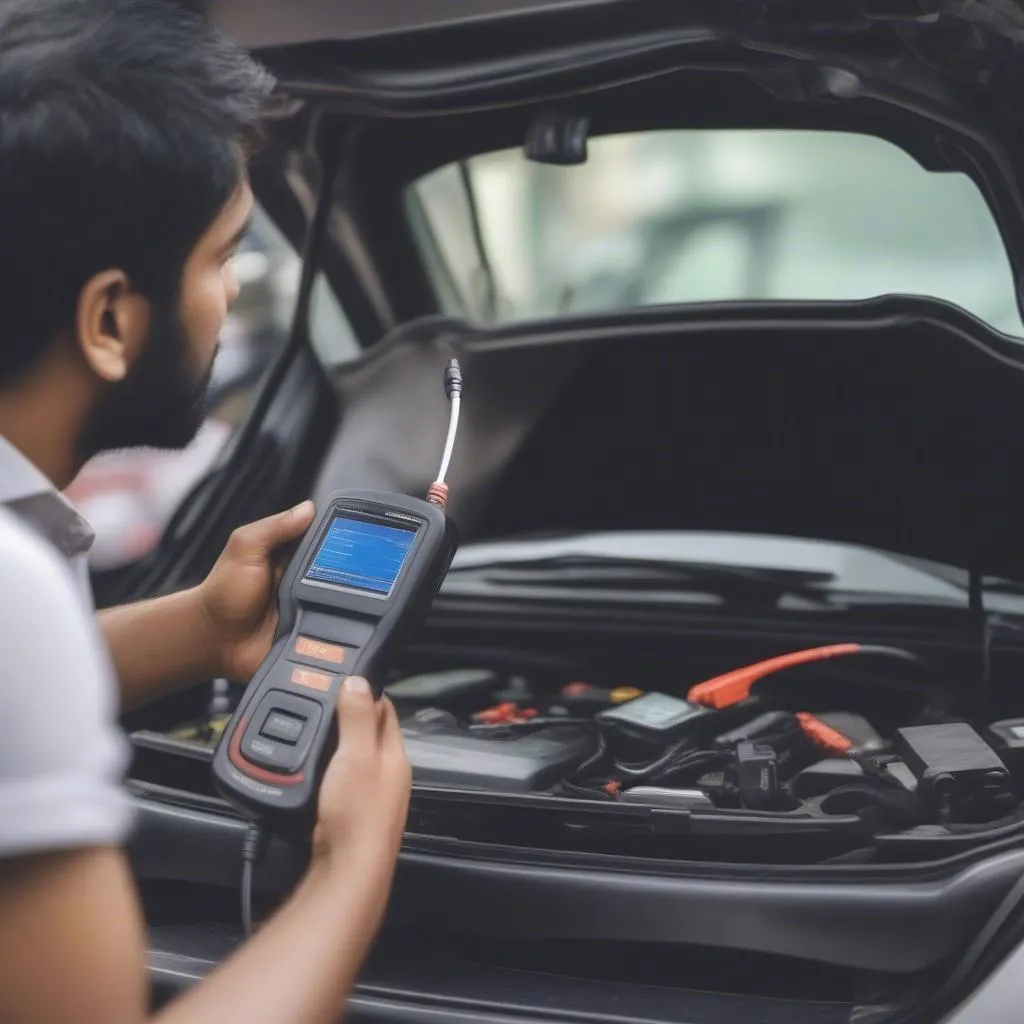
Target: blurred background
[697, 216]
[650, 218]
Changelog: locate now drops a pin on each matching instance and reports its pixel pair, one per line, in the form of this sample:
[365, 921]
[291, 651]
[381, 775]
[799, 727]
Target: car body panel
[999, 1000]
[901, 925]
[260, 25]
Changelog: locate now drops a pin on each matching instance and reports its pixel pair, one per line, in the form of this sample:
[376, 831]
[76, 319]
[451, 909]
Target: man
[122, 194]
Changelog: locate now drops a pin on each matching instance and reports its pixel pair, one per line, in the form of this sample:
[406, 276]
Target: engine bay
[736, 742]
[841, 744]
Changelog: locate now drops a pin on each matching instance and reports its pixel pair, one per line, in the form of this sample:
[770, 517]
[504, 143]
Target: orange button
[314, 680]
[307, 647]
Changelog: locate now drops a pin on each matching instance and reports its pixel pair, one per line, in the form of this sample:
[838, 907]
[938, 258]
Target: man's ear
[112, 324]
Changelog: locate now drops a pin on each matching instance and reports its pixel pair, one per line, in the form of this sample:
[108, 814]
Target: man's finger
[357, 718]
[256, 541]
[385, 710]
[392, 746]
[390, 728]
[392, 742]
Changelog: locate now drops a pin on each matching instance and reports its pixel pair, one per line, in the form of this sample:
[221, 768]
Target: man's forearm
[301, 966]
[158, 647]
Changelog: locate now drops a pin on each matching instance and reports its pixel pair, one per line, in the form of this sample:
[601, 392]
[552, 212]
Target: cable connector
[822, 735]
[453, 379]
[437, 493]
[253, 847]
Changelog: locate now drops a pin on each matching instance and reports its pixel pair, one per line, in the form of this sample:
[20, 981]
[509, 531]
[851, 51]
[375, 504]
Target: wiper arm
[998, 585]
[645, 574]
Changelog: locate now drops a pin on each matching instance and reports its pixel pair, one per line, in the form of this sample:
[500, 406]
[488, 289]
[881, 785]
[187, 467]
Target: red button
[307, 647]
[313, 680]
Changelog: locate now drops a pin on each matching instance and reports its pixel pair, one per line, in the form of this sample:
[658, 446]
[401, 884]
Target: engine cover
[444, 753]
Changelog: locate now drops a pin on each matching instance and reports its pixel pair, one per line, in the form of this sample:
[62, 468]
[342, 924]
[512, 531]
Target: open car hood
[941, 78]
[916, 452]
[273, 23]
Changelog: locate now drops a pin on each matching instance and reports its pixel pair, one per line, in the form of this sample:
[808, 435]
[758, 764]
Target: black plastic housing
[370, 630]
[957, 771]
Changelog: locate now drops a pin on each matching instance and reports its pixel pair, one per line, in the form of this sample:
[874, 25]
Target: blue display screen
[358, 554]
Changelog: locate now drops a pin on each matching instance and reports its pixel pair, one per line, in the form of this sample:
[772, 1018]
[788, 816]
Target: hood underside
[262, 24]
[895, 424]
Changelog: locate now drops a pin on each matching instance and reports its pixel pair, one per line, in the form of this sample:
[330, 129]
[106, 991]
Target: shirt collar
[26, 491]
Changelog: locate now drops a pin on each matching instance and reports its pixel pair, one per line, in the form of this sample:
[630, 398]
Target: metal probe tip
[453, 378]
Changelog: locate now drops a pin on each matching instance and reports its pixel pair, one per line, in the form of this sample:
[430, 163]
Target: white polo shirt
[62, 754]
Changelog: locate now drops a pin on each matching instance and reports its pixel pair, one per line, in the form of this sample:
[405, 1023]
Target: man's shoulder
[63, 756]
[17, 535]
[26, 557]
[47, 633]
[39, 590]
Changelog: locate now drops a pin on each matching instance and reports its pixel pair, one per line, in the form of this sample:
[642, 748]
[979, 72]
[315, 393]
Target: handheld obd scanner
[365, 573]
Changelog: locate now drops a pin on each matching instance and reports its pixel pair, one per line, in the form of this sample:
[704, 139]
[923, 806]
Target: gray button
[269, 753]
[281, 726]
[265, 748]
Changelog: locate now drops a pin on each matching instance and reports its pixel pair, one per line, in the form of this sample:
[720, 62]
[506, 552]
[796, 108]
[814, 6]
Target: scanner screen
[361, 554]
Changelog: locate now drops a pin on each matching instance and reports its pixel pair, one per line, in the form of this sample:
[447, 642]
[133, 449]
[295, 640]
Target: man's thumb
[256, 541]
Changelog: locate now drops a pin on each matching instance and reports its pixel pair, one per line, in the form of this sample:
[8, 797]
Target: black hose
[898, 809]
[252, 852]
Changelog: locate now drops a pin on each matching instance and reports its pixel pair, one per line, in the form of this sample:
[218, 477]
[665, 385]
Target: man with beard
[123, 191]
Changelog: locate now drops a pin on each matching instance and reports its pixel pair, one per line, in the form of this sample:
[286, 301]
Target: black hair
[123, 127]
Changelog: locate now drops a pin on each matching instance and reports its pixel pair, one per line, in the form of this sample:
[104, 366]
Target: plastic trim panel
[404, 986]
[897, 927]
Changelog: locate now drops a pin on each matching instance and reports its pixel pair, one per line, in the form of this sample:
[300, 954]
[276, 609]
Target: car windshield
[710, 215]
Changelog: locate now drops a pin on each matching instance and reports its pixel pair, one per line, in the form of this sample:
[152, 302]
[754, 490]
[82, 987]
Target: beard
[161, 403]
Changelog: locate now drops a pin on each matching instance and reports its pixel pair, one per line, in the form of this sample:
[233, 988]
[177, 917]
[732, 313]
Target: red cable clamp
[732, 687]
[823, 735]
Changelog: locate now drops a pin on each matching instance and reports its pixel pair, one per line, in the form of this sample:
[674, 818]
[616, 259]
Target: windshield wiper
[580, 572]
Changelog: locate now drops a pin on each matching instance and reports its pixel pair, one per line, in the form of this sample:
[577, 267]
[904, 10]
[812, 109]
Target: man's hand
[238, 600]
[364, 797]
[363, 804]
